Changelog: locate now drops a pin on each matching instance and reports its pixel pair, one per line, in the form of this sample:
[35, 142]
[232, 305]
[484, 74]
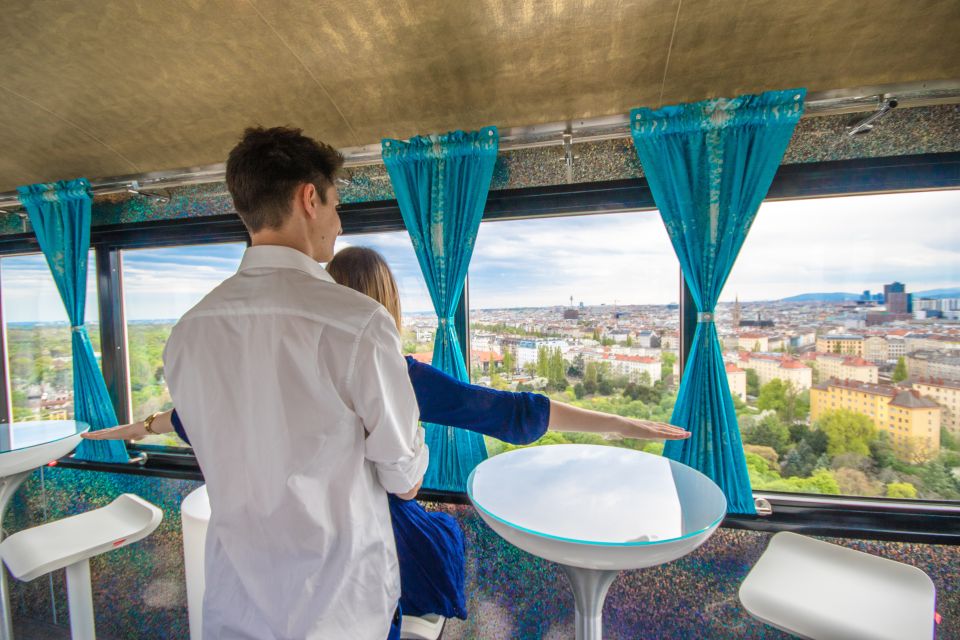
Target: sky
[832, 244]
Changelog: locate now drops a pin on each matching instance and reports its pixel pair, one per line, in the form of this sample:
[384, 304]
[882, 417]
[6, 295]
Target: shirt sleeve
[384, 400]
[178, 426]
[517, 418]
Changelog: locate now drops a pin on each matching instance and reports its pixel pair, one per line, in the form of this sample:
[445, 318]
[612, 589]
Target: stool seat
[37, 551]
[819, 590]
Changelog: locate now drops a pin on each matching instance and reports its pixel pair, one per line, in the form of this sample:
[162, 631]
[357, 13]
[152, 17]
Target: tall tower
[736, 313]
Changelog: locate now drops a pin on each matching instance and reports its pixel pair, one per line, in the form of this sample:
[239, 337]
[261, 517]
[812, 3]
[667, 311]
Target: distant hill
[840, 296]
[938, 293]
[836, 296]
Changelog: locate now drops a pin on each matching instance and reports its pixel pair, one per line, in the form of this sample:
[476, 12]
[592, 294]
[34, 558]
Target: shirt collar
[279, 257]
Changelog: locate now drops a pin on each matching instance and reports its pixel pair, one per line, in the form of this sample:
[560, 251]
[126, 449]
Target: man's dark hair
[267, 165]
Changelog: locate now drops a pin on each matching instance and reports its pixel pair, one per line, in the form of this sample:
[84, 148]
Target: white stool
[823, 591]
[71, 542]
[195, 518]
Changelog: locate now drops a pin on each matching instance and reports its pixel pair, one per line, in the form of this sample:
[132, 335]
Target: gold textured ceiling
[101, 88]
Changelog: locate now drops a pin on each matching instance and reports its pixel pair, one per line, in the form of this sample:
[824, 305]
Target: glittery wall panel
[139, 591]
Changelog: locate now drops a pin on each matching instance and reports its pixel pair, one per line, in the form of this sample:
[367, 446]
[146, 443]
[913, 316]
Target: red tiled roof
[788, 363]
[485, 356]
[646, 359]
[732, 368]
[856, 361]
[425, 358]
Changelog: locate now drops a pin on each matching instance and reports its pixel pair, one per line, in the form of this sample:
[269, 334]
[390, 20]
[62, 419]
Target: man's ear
[308, 198]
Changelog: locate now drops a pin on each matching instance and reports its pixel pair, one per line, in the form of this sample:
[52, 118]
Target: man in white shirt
[301, 415]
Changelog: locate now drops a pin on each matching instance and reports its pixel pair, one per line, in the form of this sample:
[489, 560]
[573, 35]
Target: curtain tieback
[446, 321]
[704, 316]
[77, 328]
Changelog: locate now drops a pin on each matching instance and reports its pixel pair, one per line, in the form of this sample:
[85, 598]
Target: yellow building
[840, 343]
[911, 420]
[769, 366]
[945, 393]
[753, 342]
[737, 379]
[841, 367]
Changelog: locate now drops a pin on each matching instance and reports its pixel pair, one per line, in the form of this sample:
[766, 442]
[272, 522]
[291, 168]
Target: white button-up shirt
[302, 417]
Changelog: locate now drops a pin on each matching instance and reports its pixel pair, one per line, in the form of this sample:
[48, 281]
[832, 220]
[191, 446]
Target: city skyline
[844, 244]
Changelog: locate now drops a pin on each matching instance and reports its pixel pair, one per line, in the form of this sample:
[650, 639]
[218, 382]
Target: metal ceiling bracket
[866, 125]
[568, 156]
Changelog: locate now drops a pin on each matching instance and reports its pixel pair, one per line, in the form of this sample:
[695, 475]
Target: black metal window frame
[905, 521]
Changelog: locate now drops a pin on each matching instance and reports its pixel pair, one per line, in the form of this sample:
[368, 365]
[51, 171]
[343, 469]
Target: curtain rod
[821, 103]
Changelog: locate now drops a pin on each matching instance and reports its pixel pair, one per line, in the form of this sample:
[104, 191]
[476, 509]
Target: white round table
[24, 446]
[595, 511]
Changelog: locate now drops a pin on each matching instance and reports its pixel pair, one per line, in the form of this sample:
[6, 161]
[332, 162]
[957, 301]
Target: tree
[644, 379]
[543, 362]
[667, 359]
[629, 342]
[769, 432]
[579, 391]
[756, 346]
[590, 377]
[783, 398]
[854, 482]
[900, 372]
[901, 490]
[847, 431]
[799, 461]
[509, 362]
[753, 382]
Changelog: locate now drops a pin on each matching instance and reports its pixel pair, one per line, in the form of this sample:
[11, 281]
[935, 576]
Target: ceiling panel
[726, 48]
[165, 84]
[104, 88]
[414, 66]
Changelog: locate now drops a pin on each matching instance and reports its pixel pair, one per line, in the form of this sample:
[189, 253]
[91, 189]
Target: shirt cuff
[403, 475]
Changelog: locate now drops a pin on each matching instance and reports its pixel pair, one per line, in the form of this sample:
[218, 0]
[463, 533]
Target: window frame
[897, 520]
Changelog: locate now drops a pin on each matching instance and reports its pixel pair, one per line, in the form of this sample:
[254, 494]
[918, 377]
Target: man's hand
[410, 495]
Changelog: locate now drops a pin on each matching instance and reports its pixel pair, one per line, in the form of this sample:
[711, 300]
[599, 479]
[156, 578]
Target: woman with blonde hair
[430, 545]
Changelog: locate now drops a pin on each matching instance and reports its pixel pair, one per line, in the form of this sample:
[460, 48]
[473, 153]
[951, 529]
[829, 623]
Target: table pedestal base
[590, 588]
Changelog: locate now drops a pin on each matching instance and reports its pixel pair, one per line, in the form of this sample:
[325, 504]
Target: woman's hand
[132, 431]
[566, 417]
[649, 430]
[162, 423]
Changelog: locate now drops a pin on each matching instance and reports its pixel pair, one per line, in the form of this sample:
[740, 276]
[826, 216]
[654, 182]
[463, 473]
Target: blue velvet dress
[430, 545]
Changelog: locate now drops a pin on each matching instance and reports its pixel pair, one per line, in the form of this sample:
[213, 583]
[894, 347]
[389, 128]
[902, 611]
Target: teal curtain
[709, 165]
[60, 216]
[441, 183]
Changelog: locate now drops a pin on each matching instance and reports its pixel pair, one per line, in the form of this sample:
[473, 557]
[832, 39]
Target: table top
[596, 495]
[18, 436]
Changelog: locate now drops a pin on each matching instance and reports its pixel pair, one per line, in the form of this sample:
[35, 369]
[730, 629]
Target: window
[815, 268]
[39, 351]
[583, 309]
[159, 286]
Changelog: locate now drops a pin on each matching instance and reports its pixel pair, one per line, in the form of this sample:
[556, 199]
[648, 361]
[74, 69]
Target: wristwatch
[149, 421]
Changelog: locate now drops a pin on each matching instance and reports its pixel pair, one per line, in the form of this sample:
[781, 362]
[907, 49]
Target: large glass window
[39, 351]
[841, 328]
[159, 286]
[583, 309]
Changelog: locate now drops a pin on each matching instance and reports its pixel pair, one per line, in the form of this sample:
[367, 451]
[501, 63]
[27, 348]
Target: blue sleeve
[178, 427]
[517, 418]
